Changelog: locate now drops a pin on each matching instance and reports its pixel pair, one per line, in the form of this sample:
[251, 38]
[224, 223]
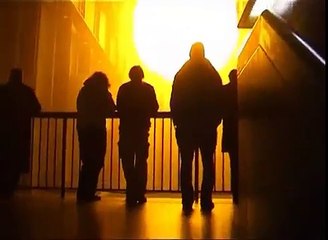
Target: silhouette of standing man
[136, 104]
[196, 112]
[230, 130]
[20, 105]
[94, 104]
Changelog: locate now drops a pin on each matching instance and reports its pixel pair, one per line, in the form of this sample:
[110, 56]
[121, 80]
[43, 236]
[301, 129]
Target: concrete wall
[53, 45]
[281, 97]
[68, 53]
[18, 41]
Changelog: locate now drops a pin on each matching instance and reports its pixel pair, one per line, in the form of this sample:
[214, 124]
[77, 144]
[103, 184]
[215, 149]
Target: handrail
[293, 40]
[163, 114]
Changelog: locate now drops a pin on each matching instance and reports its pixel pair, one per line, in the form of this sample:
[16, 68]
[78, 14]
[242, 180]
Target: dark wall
[281, 96]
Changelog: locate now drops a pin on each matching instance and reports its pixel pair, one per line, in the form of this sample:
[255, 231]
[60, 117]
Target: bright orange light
[164, 31]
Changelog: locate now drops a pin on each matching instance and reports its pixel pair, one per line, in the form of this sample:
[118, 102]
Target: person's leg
[141, 167]
[187, 189]
[207, 148]
[83, 146]
[92, 153]
[98, 153]
[81, 192]
[233, 155]
[186, 148]
[9, 163]
[86, 182]
[9, 179]
[93, 175]
[23, 147]
[126, 152]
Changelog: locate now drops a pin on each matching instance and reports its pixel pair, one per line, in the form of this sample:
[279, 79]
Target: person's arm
[215, 75]
[110, 105]
[174, 102]
[153, 101]
[120, 101]
[34, 104]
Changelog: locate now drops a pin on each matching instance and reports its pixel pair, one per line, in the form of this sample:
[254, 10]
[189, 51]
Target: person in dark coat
[19, 106]
[196, 111]
[94, 105]
[230, 130]
[136, 104]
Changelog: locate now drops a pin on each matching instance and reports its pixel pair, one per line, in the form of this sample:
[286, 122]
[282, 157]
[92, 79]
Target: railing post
[196, 197]
[31, 152]
[222, 173]
[63, 177]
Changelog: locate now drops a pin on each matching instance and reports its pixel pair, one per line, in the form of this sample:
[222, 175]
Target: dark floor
[44, 215]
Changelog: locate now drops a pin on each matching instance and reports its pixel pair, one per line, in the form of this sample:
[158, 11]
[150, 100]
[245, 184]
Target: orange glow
[164, 31]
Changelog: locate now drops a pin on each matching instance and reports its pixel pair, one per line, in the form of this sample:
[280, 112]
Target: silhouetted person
[94, 104]
[230, 130]
[20, 104]
[196, 112]
[136, 104]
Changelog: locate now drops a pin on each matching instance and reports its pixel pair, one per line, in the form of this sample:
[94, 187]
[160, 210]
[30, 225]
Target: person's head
[233, 75]
[98, 79]
[136, 74]
[15, 76]
[197, 51]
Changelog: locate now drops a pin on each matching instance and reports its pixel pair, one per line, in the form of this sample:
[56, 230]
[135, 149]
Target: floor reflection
[43, 215]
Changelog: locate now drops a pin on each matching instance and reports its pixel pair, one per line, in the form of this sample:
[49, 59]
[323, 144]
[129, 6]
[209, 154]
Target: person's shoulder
[83, 89]
[186, 65]
[27, 88]
[125, 85]
[207, 63]
[124, 88]
[147, 85]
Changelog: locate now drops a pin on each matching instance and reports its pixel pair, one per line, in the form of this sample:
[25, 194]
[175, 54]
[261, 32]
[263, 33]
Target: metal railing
[55, 160]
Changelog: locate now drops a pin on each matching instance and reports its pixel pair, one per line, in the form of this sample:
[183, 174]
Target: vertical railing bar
[179, 169]
[32, 151]
[170, 154]
[111, 154]
[222, 172]
[79, 159]
[63, 157]
[196, 174]
[214, 157]
[162, 160]
[55, 153]
[154, 153]
[47, 152]
[119, 173]
[72, 155]
[103, 176]
[39, 157]
[103, 168]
